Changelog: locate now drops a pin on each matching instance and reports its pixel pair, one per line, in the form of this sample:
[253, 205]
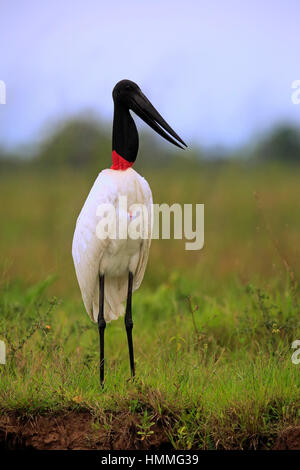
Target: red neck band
[119, 163]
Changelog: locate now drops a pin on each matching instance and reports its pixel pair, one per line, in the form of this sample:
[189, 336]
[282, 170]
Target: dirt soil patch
[289, 439]
[83, 431]
[78, 431]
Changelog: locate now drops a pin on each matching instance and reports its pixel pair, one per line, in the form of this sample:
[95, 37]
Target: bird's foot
[131, 379]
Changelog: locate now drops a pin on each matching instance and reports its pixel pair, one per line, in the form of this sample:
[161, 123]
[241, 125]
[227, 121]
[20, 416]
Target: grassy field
[212, 329]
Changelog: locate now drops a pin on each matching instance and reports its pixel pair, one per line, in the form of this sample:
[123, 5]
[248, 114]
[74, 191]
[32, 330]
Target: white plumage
[112, 257]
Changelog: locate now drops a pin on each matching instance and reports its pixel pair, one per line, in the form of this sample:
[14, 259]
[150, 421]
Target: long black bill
[146, 111]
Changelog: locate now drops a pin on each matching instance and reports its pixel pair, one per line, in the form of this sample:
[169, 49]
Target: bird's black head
[127, 95]
[123, 92]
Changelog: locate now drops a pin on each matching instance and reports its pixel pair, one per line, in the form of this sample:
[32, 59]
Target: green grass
[212, 330]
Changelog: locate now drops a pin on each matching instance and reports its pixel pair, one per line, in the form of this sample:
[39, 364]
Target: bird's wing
[145, 246]
[87, 248]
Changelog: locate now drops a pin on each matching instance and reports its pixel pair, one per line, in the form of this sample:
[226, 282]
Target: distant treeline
[85, 142]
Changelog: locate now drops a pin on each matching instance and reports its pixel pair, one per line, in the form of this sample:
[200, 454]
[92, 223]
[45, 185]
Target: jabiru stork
[109, 270]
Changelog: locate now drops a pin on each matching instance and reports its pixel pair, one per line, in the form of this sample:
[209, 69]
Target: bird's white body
[112, 257]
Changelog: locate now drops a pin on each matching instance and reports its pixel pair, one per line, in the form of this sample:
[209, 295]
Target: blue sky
[220, 72]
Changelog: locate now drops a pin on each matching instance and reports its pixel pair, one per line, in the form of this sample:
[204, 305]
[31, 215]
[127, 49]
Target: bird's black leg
[101, 326]
[129, 323]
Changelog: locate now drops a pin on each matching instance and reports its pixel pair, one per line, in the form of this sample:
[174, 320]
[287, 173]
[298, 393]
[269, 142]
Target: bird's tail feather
[115, 292]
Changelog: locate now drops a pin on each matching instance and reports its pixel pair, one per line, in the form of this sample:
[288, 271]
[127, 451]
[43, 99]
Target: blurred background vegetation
[84, 142]
[251, 199]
